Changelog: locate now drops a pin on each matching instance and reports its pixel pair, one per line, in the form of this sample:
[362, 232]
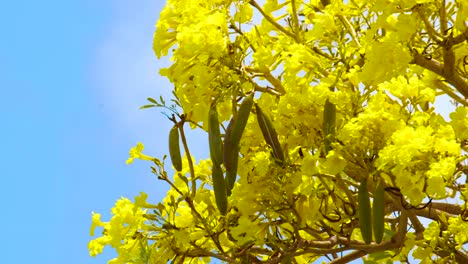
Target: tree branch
[433, 65]
[295, 19]
[350, 28]
[454, 209]
[460, 38]
[265, 73]
[189, 159]
[460, 257]
[448, 90]
[349, 257]
[443, 18]
[272, 21]
[430, 29]
[418, 227]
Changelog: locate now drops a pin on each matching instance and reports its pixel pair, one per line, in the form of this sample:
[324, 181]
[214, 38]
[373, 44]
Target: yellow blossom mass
[333, 140]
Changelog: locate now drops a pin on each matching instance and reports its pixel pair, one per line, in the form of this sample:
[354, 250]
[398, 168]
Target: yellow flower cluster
[340, 84]
[121, 232]
[422, 158]
[135, 153]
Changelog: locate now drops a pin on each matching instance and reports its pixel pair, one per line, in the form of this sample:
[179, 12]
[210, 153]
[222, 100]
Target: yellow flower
[135, 153]
[96, 246]
[96, 221]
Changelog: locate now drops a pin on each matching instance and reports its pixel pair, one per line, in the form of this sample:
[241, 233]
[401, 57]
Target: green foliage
[344, 95]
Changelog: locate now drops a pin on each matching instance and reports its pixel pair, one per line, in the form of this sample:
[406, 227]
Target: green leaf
[152, 100]
[146, 106]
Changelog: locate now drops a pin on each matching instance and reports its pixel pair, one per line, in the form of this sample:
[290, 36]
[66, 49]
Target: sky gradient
[72, 75]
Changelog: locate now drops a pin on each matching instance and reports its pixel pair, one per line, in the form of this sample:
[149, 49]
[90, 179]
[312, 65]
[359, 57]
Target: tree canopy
[325, 139]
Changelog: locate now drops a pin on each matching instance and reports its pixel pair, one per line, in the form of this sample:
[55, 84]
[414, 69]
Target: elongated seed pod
[219, 188]
[230, 157]
[269, 133]
[214, 136]
[228, 145]
[174, 148]
[242, 117]
[329, 121]
[231, 174]
[216, 145]
[364, 209]
[378, 212]
[232, 139]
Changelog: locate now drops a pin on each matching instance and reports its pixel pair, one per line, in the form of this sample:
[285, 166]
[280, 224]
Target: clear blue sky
[72, 76]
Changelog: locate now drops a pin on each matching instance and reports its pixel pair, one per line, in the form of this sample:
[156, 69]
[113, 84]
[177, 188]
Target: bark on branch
[460, 83]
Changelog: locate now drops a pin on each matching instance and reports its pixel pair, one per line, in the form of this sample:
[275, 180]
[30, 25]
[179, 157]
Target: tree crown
[324, 137]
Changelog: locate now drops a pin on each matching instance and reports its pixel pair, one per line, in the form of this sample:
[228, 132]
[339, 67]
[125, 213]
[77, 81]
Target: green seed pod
[214, 136]
[219, 188]
[230, 157]
[269, 133]
[241, 118]
[364, 210]
[329, 121]
[231, 174]
[174, 149]
[378, 212]
[232, 139]
[228, 147]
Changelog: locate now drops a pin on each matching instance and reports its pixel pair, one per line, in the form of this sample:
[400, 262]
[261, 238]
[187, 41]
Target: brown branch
[430, 29]
[402, 228]
[368, 249]
[449, 57]
[460, 38]
[272, 21]
[350, 28]
[449, 91]
[236, 29]
[295, 18]
[443, 18]
[349, 257]
[459, 256]
[265, 73]
[323, 54]
[267, 89]
[433, 214]
[418, 227]
[433, 65]
[453, 209]
[396, 242]
[189, 159]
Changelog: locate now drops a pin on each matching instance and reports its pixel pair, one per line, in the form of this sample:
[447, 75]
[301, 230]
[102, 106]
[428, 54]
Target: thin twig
[430, 29]
[237, 30]
[295, 19]
[350, 28]
[272, 21]
[189, 158]
[198, 215]
[265, 73]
